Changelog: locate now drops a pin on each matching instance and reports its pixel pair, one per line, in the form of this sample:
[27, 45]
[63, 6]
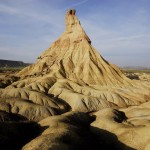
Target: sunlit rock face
[72, 76]
[73, 71]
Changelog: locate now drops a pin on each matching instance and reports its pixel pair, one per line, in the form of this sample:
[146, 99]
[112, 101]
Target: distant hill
[135, 67]
[12, 63]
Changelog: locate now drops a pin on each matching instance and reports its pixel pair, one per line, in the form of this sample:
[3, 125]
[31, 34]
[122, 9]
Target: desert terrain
[72, 98]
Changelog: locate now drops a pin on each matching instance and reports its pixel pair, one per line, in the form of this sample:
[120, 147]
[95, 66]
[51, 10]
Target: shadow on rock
[5, 116]
[14, 133]
[109, 140]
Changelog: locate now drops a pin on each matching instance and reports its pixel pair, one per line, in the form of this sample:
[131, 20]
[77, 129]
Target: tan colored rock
[29, 110]
[72, 70]
[72, 76]
[74, 58]
[134, 135]
[70, 131]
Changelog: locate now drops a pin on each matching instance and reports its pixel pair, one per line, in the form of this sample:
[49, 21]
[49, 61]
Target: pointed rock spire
[72, 75]
[71, 20]
[73, 57]
[74, 28]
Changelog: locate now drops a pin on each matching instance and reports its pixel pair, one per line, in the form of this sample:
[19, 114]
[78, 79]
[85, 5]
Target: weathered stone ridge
[72, 92]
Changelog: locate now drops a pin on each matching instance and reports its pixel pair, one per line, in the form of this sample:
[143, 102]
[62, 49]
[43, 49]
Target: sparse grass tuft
[13, 69]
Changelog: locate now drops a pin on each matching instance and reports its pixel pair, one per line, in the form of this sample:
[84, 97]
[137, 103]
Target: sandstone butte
[72, 98]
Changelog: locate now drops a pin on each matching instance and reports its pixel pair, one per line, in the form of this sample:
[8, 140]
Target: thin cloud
[7, 9]
[131, 38]
[79, 3]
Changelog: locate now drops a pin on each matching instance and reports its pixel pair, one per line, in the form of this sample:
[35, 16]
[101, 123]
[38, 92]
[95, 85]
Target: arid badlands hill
[72, 98]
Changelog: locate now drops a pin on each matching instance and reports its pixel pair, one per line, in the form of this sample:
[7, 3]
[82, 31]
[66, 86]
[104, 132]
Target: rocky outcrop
[73, 57]
[72, 76]
[73, 71]
[132, 132]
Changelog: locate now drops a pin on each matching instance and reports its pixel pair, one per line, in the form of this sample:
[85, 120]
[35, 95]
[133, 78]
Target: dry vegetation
[137, 74]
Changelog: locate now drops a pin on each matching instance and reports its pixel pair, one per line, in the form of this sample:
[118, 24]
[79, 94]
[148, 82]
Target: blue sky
[118, 29]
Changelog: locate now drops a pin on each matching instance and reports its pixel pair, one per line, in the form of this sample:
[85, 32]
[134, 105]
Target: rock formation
[72, 76]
